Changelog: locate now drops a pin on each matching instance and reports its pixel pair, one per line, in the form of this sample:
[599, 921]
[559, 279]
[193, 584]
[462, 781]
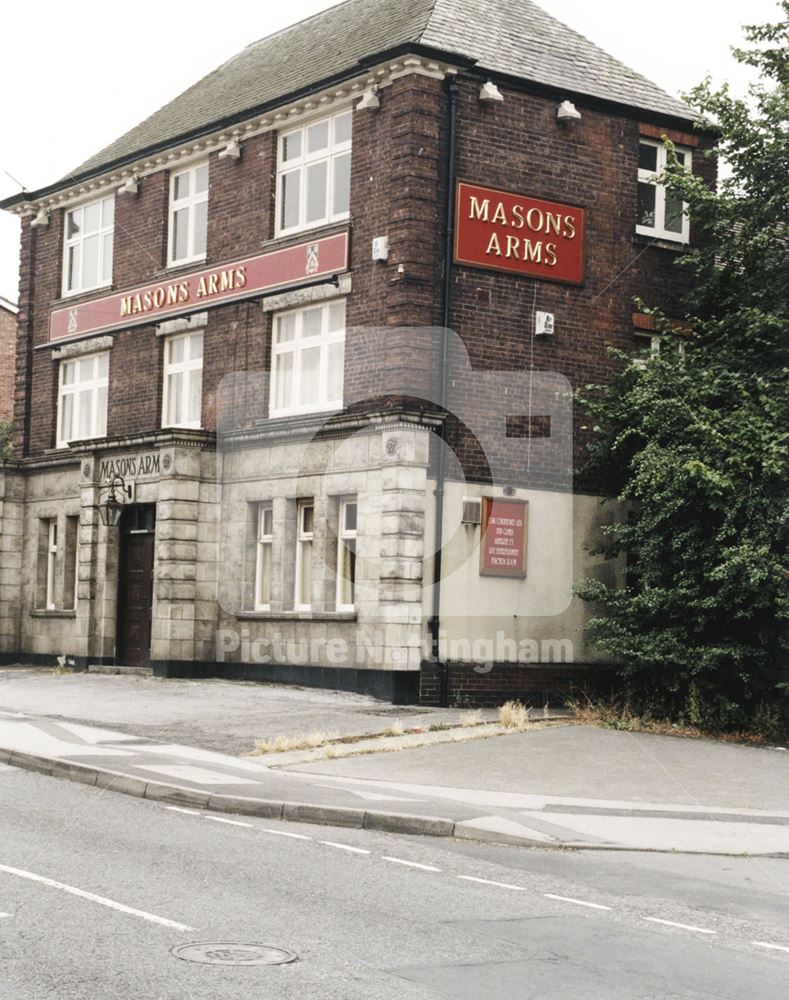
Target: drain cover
[233, 953]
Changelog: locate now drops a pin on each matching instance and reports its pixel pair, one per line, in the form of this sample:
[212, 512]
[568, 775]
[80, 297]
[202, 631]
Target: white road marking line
[412, 864]
[345, 847]
[293, 836]
[773, 947]
[93, 898]
[578, 902]
[186, 812]
[487, 881]
[684, 927]
[3, 915]
[230, 822]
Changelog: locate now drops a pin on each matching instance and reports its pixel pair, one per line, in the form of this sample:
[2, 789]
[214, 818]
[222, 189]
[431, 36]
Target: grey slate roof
[515, 37]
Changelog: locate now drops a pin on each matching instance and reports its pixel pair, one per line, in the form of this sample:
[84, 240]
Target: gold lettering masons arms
[183, 293]
[521, 234]
[179, 292]
[519, 217]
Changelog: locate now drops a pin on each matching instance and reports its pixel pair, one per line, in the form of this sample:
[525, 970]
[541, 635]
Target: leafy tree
[5, 439]
[695, 441]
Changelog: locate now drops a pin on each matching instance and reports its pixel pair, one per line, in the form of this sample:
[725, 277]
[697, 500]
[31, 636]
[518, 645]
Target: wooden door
[135, 586]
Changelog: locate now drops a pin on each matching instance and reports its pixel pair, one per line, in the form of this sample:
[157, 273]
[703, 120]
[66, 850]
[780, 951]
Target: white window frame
[659, 230]
[655, 346]
[94, 385]
[300, 343]
[189, 369]
[190, 202]
[304, 551]
[345, 535]
[301, 164]
[102, 232]
[264, 555]
[52, 553]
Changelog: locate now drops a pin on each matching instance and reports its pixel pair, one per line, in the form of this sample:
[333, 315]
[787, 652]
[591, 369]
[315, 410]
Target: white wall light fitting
[370, 100]
[232, 150]
[490, 92]
[567, 111]
[131, 186]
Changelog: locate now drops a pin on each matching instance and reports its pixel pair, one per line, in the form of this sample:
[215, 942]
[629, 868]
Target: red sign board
[502, 548]
[178, 296]
[511, 232]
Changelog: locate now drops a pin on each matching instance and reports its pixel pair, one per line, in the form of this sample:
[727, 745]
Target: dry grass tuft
[515, 715]
[281, 744]
[616, 715]
[471, 718]
[396, 729]
[612, 715]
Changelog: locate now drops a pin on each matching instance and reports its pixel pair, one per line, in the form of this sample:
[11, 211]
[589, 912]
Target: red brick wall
[7, 362]
[135, 389]
[36, 374]
[396, 172]
[140, 239]
[531, 684]
[518, 145]
[241, 205]
[398, 188]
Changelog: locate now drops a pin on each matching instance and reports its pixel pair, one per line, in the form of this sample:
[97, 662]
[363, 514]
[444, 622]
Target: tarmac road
[96, 888]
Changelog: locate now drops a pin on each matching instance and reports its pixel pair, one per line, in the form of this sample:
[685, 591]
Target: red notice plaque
[502, 548]
[502, 231]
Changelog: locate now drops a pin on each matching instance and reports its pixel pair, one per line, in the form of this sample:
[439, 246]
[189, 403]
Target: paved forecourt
[402, 792]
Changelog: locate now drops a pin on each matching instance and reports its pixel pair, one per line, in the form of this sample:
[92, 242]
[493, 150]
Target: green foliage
[5, 439]
[696, 443]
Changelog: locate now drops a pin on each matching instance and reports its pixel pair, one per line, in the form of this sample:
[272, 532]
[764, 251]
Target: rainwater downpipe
[435, 621]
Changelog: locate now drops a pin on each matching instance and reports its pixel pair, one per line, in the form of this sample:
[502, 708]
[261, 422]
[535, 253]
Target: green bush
[695, 442]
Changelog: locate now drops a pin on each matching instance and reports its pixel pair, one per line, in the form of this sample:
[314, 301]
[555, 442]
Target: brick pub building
[314, 325]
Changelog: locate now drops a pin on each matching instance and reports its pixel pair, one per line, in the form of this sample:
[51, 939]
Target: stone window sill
[179, 267]
[303, 235]
[297, 616]
[77, 298]
[642, 240]
[52, 613]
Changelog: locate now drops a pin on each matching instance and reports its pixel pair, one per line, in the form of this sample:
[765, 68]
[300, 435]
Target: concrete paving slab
[621, 790]
[586, 763]
[213, 714]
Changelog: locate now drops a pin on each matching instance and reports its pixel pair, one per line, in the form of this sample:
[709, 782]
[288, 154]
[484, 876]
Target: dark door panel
[135, 586]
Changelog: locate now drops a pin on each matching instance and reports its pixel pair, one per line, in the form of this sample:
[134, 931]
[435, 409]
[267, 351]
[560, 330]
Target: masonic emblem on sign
[312, 258]
[72, 321]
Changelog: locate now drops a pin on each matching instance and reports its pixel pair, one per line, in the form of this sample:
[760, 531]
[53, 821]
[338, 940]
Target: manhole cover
[233, 953]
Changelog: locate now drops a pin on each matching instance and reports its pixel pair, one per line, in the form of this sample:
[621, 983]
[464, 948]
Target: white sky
[74, 76]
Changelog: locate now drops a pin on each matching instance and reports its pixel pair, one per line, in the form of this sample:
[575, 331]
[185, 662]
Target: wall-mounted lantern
[118, 494]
